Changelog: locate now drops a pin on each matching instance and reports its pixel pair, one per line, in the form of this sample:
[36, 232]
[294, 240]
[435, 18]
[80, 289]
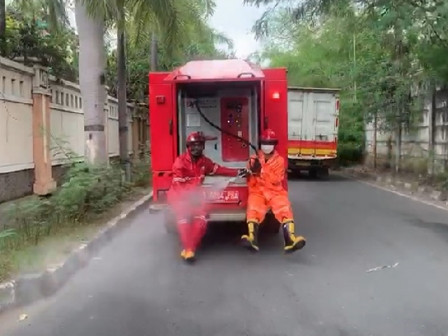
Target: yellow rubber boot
[250, 241]
[188, 255]
[292, 243]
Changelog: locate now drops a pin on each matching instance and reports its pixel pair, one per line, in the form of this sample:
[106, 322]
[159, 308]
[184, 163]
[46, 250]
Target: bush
[89, 190]
[5, 266]
[141, 169]
[414, 165]
[30, 219]
[441, 180]
[5, 262]
[351, 133]
[85, 192]
[349, 153]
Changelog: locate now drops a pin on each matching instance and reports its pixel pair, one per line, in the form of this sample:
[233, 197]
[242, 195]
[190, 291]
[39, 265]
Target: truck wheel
[325, 172]
[169, 222]
[295, 173]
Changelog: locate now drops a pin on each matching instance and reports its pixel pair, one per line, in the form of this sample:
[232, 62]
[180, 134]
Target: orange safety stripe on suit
[266, 191]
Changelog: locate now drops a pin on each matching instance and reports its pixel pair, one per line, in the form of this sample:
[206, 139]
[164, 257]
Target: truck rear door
[312, 122]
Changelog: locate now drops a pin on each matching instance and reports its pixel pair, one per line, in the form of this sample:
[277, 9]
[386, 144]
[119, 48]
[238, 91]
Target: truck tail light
[276, 95]
[160, 100]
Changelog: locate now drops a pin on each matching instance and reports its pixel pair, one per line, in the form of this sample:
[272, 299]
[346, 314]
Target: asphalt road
[138, 286]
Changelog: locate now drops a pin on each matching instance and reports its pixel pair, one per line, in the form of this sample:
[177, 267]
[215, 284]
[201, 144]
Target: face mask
[267, 149]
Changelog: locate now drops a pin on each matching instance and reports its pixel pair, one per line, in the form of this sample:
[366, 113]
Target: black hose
[221, 130]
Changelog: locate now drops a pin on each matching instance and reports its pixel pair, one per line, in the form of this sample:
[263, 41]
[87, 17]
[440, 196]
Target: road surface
[138, 286]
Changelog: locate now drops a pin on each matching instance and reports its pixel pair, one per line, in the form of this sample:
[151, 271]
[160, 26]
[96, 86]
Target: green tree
[166, 17]
[377, 51]
[428, 18]
[29, 38]
[197, 44]
[42, 12]
[164, 21]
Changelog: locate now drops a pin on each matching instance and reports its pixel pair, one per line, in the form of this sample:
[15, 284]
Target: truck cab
[234, 96]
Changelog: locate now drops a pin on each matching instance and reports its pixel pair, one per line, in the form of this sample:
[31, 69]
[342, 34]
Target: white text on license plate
[223, 196]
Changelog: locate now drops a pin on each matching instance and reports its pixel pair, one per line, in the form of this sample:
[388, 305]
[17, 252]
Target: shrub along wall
[85, 193]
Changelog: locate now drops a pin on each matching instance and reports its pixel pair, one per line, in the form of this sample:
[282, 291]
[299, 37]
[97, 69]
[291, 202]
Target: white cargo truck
[313, 121]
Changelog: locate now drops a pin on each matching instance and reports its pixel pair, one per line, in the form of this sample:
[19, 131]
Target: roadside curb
[29, 288]
[419, 193]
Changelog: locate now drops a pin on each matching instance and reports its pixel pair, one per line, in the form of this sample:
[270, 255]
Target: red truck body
[237, 96]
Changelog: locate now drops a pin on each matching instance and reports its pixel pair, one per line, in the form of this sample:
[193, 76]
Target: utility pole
[123, 128]
[154, 52]
[375, 132]
[2, 27]
[354, 66]
[432, 129]
[398, 147]
[153, 65]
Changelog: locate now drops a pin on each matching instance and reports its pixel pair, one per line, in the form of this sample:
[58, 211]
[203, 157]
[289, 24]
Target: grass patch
[39, 231]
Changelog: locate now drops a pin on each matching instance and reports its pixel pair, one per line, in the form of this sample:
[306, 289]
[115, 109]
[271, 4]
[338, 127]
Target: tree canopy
[30, 35]
[197, 41]
[37, 31]
[384, 55]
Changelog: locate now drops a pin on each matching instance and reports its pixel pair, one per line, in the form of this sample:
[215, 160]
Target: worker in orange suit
[267, 171]
[184, 196]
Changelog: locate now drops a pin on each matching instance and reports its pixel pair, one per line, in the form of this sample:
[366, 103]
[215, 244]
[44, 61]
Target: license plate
[303, 164]
[226, 196]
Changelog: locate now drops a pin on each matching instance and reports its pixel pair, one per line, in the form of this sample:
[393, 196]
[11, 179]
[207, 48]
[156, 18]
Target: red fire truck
[230, 101]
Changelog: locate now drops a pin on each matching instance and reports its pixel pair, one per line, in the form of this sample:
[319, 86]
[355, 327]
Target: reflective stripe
[181, 179]
[201, 218]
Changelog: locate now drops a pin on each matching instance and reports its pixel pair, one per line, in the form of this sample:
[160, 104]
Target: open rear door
[163, 134]
[276, 109]
[162, 123]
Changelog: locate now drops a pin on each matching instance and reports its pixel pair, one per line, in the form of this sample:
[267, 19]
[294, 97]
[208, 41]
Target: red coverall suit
[186, 198]
[266, 192]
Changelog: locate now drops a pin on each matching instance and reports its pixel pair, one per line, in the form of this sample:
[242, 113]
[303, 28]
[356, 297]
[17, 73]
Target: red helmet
[195, 137]
[269, 137]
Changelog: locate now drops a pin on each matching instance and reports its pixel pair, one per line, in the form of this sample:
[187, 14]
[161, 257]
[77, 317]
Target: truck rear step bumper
[230, 216]
[238, 215]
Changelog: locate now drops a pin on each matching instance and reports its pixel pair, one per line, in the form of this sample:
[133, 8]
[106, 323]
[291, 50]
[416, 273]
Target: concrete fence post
[44, 183]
